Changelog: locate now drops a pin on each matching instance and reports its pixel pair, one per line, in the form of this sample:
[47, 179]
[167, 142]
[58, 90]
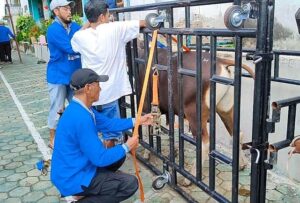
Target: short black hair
[94, 8]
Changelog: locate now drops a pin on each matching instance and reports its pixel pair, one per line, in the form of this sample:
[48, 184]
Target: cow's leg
[225, 111]
[191, 117]
[227, 118]
[205, 150]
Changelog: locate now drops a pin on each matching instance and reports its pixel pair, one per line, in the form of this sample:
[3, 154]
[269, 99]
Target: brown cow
[224, 94]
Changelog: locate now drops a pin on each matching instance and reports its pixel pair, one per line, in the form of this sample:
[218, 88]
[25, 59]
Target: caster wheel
[232, 18]
[151, 23]
[159, 183]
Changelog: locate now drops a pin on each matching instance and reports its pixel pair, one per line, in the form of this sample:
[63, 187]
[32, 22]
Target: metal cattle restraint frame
[263, 56]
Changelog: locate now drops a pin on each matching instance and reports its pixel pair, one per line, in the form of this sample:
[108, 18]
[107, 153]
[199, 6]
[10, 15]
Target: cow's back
[189, 83]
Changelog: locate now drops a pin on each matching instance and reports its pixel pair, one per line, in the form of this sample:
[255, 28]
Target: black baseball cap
[85, 76]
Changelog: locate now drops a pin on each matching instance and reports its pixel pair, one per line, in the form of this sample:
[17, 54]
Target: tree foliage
[24, 26]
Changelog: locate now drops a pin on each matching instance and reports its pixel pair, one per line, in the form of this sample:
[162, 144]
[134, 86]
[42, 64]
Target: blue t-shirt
[63, 60]
[78, 151]
[111, 3]
[5, 34]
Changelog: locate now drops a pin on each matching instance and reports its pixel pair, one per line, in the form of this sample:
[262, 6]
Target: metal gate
[262, 125]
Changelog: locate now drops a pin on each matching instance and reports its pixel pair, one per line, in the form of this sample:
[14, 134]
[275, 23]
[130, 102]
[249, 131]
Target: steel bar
[212, 116]
[169, 4]
[180, 94]
[199, 91]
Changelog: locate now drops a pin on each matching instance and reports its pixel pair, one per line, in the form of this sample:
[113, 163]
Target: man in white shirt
[102, 49]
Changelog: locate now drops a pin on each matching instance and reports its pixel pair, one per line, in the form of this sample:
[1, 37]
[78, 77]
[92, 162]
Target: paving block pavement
[20, 181]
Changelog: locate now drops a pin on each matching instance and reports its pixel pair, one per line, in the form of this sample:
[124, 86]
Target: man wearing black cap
[80, 160]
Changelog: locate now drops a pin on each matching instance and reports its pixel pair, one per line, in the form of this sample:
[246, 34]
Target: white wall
[284, 12]
[25, 6]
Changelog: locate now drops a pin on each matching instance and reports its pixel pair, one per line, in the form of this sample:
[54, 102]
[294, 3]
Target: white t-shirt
[103, 50]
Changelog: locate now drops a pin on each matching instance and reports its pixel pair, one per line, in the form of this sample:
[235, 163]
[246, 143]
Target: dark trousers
[2, 51]
[5, 51]
[115, 166]
[109, 187]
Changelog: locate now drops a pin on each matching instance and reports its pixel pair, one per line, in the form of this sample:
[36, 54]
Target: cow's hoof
[146, 155]
[242, 167]
[185, 182]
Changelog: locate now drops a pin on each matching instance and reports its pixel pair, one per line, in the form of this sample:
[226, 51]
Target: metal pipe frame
[212, 115]
[236, 118]
[217, 196]
[245, 32]
[277, 105]
[182, 72]
[261, 101]
[171, 111]
[170, 160]
[260, 107]
[199, 107]
[291, 103]
[180, 95]
[169, 4]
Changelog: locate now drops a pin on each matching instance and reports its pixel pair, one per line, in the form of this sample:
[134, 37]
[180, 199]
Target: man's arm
[60, 40]
[93, 149]
[128, 30]
[106, 124]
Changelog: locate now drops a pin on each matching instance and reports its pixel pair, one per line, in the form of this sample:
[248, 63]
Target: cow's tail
[229, 62]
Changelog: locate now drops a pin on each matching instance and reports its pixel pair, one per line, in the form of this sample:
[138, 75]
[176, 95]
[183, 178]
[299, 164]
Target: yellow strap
[140, 109]
[155, 76]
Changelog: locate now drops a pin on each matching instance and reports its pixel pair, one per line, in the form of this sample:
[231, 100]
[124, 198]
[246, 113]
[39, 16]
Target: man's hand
[132, 142]
[143, 23]
[120, 3]
[146, 119]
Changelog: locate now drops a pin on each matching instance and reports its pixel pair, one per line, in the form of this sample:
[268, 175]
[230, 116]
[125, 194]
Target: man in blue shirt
[114, 3]
[80, 161]
[63, 60]
[5, 48]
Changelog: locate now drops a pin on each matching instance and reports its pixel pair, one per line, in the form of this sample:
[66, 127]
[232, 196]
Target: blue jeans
[58, 94]
[111, 110]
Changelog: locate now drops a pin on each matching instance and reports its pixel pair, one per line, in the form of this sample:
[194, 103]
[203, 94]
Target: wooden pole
[13, 28]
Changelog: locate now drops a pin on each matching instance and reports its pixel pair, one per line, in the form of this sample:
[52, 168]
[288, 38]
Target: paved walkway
[20, 181]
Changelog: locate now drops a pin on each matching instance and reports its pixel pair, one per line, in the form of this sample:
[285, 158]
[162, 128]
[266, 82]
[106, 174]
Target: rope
[140, 109]
[183, 46]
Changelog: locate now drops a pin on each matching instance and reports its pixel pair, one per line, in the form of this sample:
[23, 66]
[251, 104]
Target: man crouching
[80, 162]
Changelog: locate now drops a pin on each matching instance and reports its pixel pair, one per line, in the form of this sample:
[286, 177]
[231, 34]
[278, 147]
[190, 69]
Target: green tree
[24, 26]
[76, 18]
[44, 26]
